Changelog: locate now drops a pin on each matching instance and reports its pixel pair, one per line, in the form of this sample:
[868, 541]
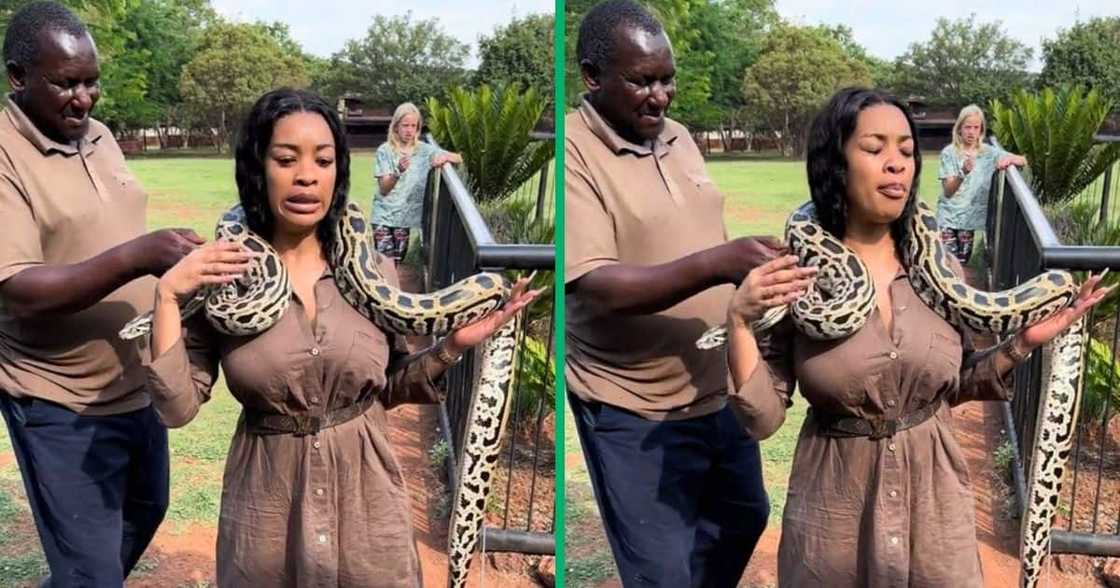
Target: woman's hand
[218, 262]
[444, 158]
[968, 164]
[1010, 160]
[471, 335]
[1042, 332]
[403, 163]
[773, 283]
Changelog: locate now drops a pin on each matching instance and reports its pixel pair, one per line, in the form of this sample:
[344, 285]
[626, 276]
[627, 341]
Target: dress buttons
[316, 445]
[891, 447]
[318, 492]
[894, 540]
[315, 351]
[894, 493]
[323, 539]
[894, 355]
[890, 403]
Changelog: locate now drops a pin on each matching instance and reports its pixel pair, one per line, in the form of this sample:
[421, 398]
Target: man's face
[59, 91]
[633, 91]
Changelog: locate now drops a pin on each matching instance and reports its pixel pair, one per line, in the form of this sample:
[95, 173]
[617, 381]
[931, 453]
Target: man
[91, 450]
[648, 270]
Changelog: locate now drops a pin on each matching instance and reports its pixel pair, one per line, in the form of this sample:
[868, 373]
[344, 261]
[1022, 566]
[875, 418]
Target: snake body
[254, 302]
[843, 297]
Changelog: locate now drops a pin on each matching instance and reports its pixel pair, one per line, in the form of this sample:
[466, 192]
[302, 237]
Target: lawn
[183, 192]
[759, 195]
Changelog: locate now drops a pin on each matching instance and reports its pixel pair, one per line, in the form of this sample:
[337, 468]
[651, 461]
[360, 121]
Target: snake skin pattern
[254, 302]
[842, 299]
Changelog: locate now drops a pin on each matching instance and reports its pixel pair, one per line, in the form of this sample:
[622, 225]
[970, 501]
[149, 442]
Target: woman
[329, 507]
[402, 172]
[894, 510]
[966, 171]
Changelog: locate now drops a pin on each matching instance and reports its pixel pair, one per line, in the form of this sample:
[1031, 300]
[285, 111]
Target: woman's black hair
[828, 167]
[252, 151]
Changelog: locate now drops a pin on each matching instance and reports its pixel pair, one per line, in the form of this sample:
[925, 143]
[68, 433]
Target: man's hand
[746, 253]
[156, 252]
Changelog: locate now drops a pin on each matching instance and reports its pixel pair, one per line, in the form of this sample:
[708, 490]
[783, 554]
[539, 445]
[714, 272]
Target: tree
[234, 66]
[164, 35]
[1054, 130]
[799, 70]
[519, 52]
[881, 69]
[963, 62]
[491, 129]
[399, 60]
[1087, 54]
[734, 31]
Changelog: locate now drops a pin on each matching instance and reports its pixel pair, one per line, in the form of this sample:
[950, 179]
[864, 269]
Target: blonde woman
[401, 169]
[966, 171]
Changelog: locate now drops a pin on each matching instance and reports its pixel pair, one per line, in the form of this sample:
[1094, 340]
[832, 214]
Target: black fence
[1022, 243]
[458, 242]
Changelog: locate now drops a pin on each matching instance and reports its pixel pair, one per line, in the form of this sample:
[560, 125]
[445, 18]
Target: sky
[322, 27]
[887, 28]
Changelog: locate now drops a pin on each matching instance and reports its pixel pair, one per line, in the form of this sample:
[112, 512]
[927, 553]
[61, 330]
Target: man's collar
[44, 143]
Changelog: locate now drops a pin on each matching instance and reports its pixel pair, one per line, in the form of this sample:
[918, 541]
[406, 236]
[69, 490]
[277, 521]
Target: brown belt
[260, 423]
[876, 428]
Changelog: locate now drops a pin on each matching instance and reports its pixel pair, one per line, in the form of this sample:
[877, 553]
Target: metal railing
[1021, 244]
[458, 243]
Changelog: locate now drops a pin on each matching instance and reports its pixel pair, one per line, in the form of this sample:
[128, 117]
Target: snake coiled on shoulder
[254, 302]
[843, 297]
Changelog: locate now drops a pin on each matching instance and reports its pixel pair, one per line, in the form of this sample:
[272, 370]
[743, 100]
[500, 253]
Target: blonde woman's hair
[967, 111]
[402, 111]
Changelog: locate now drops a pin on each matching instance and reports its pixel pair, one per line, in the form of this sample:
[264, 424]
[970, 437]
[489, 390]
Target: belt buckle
[882, 428]
[306, 425]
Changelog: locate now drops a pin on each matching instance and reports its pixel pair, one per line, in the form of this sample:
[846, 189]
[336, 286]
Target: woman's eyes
[288, 161]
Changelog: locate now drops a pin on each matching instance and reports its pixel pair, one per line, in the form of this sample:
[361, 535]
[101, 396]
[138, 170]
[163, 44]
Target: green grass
[759, 193]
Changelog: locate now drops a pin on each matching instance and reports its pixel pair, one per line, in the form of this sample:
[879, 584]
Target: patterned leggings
[391, 241]
[959, 243]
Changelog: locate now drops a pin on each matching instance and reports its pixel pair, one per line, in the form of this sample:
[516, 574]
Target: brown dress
[329, 509]
[860, 512]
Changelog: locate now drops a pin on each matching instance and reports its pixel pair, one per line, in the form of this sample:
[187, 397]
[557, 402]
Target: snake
[256, 301]
[842, 298]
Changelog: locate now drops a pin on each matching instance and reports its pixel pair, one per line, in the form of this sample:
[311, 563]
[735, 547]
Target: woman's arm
[184, 363]
[762, 370]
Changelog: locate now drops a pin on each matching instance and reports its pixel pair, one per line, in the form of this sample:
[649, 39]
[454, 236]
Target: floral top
[403, 206]
[967, 208]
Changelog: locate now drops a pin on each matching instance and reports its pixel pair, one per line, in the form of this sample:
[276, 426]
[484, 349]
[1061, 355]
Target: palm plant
[1054, 130]
[490, 127]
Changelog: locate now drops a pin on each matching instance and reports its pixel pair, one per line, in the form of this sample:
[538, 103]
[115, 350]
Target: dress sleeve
[181, 379]
[761, 402]
[980, 378]
[950, 165]
[412, 378]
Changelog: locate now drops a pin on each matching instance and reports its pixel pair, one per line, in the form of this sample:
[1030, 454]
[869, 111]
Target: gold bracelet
[445, 356]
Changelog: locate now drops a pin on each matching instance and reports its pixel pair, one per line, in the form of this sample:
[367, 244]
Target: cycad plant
[1054, 130]
[490, 127]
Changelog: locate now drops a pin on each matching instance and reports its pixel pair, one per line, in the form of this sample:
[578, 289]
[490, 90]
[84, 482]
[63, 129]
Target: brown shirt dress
[891, 512]
[329, 509]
